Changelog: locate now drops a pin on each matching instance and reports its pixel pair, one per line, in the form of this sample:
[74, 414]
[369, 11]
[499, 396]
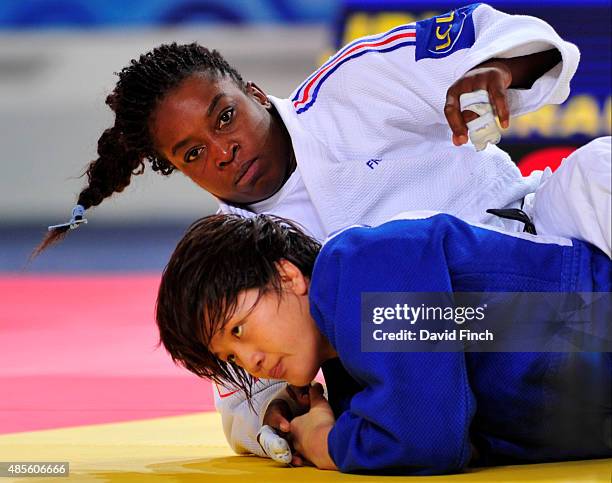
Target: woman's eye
[193, 154]
[237, 331]
[226, 117]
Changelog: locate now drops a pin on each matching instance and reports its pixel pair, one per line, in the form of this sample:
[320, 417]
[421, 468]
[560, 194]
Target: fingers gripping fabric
[483, 129]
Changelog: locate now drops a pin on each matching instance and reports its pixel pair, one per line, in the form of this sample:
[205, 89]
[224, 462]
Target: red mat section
[80, 350]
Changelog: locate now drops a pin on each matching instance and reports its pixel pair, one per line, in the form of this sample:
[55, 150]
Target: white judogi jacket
[371, 140]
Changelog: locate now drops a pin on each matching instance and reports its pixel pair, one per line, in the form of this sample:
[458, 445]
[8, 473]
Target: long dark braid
[124, 148]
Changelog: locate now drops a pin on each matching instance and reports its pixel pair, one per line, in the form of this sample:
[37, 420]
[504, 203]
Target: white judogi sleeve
[371, 139]
[240, 422]
[506, 36]
[576, 200]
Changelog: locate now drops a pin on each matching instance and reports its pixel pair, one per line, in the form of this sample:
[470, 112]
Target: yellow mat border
[193, 448]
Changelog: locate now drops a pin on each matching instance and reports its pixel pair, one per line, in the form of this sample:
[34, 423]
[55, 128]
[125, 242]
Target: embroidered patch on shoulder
[440, 36]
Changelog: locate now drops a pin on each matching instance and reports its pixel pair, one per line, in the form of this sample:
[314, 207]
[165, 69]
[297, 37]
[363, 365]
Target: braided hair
[124, 147]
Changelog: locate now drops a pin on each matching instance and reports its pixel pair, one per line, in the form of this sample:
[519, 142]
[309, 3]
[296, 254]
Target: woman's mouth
[277, 371]
[247, 173]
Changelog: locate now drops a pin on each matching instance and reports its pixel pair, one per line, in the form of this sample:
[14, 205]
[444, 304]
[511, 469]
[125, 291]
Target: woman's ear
[258, 94]
[292, 278]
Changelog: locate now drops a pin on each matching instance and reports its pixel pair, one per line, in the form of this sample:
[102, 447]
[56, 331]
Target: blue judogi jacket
[419, 413]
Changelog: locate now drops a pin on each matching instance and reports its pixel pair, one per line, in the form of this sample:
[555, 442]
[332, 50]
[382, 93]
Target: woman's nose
[223, 154]
[252, 361]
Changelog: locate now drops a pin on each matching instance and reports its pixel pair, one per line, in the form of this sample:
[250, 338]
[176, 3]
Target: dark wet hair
[124, 147]
[219, 257]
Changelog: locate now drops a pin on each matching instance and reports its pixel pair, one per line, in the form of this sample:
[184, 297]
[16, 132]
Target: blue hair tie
[77, 219]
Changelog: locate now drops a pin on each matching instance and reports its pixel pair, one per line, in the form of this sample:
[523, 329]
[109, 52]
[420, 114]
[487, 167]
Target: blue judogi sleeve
[414, 414]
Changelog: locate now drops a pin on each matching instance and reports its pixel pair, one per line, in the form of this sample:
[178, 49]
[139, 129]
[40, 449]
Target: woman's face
[223, 138]
[273, 336]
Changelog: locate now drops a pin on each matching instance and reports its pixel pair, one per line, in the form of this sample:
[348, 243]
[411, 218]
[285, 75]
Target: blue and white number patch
[440, 36]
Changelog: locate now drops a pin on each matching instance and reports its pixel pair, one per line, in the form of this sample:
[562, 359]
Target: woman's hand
[279, 414]
[493, 76]
[309, 432]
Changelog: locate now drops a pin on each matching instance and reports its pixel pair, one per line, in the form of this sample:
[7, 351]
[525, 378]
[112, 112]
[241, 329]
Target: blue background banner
[103, 13]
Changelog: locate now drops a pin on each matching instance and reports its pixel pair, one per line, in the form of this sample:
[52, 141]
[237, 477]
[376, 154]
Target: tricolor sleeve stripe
[394, 39]
[371, 38]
